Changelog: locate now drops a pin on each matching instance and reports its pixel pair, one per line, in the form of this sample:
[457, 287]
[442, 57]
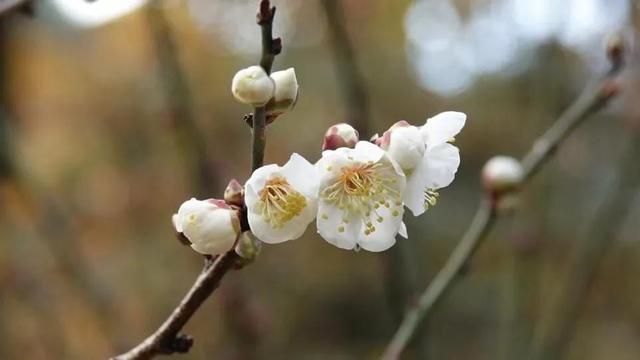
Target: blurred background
[113, 112]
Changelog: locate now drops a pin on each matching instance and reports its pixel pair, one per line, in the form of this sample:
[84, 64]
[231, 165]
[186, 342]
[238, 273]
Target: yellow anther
[279, 202]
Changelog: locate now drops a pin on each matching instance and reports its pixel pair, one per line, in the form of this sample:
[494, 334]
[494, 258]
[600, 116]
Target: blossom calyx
[248, 248]
[286, 92]
[253, 86]
[340, 135]
[502, 174]
[210, 225]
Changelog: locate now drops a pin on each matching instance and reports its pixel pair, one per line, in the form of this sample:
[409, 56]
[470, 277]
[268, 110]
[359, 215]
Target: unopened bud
[286, 92]
[248, 248]
[211, 225]
[252, 86]
[340, 135]
[234, 193]
[502, 174]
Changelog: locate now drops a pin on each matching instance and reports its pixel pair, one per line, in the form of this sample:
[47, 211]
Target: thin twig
[167, 338]
[592, 99]
[270, 48]
[347, 70]
[559, 321]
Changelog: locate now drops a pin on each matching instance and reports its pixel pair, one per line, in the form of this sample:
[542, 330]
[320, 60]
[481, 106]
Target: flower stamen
[279, 202]
[361, 190]
[430, 197]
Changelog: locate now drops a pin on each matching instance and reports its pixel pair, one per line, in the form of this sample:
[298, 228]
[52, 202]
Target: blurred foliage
[88, 261]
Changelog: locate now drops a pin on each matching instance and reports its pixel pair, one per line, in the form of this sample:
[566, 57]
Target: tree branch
[558, 323]
[167, 338]
[592, 99]
[270, 48]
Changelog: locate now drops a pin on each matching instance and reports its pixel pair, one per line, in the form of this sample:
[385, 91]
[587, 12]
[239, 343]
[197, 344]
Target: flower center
[279, 202]
[360, 190]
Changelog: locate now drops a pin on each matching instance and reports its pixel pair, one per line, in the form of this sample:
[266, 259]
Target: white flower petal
[385, 232]
[331, 227]
[403, 231]
[302, 175]
[366, 151]
[260, 176]
[286, 85]
[436, 170]
[442, 127]
[413, 197]
[213, 248]
[406, 146]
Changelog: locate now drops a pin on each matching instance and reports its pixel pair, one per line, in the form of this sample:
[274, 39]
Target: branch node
[276, 46]
[180, 344]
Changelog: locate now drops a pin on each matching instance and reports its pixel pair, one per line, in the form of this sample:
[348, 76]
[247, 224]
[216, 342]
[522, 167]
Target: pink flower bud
[234, 193]
[340, 135]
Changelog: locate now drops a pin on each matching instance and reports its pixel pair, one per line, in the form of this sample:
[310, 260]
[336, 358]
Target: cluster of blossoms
[356, 192]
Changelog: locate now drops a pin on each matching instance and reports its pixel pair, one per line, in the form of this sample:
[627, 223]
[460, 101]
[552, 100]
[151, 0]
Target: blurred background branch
[350, 78]
[190, 138]
[557, 325]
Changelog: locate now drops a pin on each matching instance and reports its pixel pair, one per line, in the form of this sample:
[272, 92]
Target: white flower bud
[286, 92]
[252, 86]
[406, 146]
[340, 135]
[210, 225]
[502, 174]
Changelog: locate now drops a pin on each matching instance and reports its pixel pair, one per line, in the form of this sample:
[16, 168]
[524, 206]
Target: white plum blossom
[502, 174]
[282, 201]
[360, 198]
[211, 225]
[425, 155]
[252, 86]
[340, 135]
[286, 91]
